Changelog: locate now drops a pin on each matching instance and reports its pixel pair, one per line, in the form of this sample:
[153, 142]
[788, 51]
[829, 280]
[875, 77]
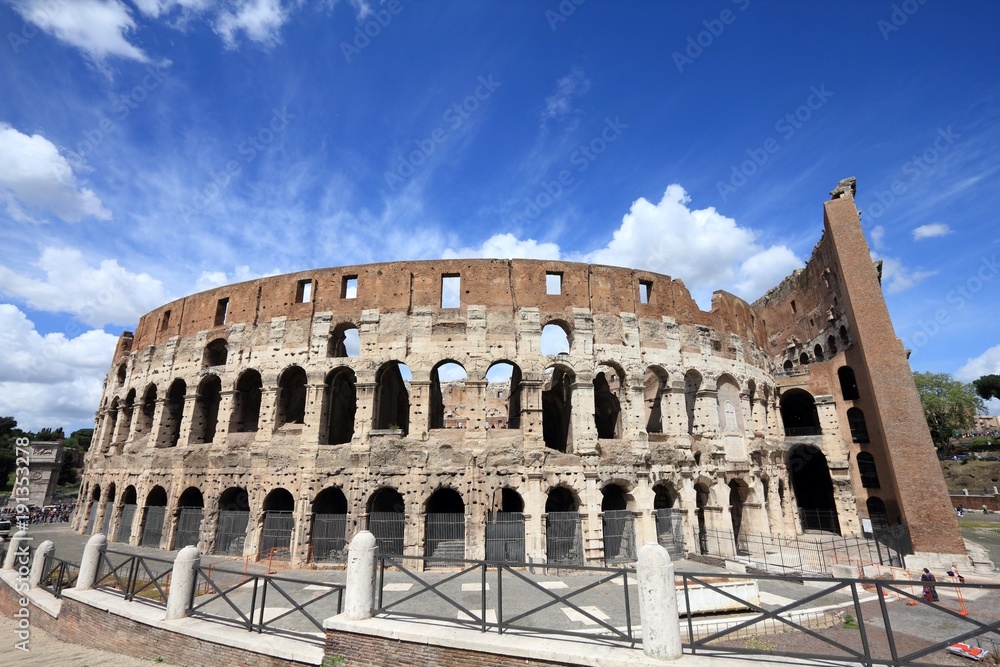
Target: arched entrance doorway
[813, 489]
[563, 531]
[234, 514]
[444, 525]
[505, 528]
[329, 526]
[386, 520]
[618, 525]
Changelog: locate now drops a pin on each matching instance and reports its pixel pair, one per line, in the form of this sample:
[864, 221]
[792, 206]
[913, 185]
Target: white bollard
[44, 549]
[17, 543]
[182, 580]
[359, 598]
[661, 629]
[91, 561]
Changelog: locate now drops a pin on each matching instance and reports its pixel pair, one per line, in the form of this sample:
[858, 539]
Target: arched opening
[386, 520]
[503, 396]
[878, 516]
[122, 372]
[692, 385]
[291, 396]
[95, 504]
[859, 429]
[563, 529]
[739, 492]
[557, 407]
[804, 359]
[788, 366]
[205, 419]
[818, 352]
[449, 402]
[669, 521]
[234, 515]
[607, 401]
[798, 413]
[154, 514]
[128, 409]
[344, 341]
[127, 516]
[654, 385]
[701, 496]
[173, 412]
[618, 525]
[340, 399]
[190, 507]
[554, 339]
[813, 488]
[848, 383]
[216, 353]
[277, 525]
[110, 425]
[505, 528]
[844, 339]
[867, 470]
[246, 403]
[444, 525]
[831, 345]
[147, 410]
[109, 510]
[392, 398]
[329, 526]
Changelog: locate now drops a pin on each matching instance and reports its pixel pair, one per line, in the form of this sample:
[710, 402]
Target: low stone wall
[975, 502]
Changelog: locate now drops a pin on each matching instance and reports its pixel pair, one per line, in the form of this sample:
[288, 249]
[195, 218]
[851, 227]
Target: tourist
[953, 572]
[929, 593]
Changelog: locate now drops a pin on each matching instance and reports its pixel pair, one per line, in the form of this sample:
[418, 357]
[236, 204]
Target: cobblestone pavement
[48, 651]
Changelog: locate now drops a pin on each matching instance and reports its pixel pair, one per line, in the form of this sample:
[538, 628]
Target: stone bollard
[44, 550]
[18, 542]
[661, 629]
[90, 564]
[182, 580]
[359, 598]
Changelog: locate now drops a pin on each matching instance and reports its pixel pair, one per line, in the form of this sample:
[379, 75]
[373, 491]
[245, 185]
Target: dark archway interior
[445, 501]
[560, 499]
[663, 497]
[813, 489]
[614, 498]
[279, 500]
[511, 501]
[557, 409]
[191, 498]
[157, 497]
[342, 406]
[607, 408]
[292, 396]
[387, 500]
[798, 413]
[330, 501]
[392, 400]
[246, 411]
[234, 499]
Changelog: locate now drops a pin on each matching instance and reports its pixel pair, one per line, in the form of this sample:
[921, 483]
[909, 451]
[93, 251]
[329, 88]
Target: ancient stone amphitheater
[520, 410]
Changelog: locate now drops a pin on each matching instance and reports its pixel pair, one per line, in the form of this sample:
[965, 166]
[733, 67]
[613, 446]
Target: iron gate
[109, 509]
[329, 540]
[670, 532]
[152, 529]
[276, 535]
[125, 523]
[231, 533]
[387, 527]
[92, 519]
[818, 519]
[619, 536]
[563, 538]
[188, 527]
[505, 537]
[444, 535]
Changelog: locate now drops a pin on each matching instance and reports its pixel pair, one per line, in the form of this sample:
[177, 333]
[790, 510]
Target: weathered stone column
[534, 509]
[184, 428]
[359, 595]
[18, 542]
[226, 401]
[90, 563]
[582, 430]
[531, 412]
[313, 414]
[44, 550]
[182, 582]
[661, 630]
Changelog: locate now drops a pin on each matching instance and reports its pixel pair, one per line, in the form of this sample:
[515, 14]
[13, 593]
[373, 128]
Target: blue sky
[153, 148]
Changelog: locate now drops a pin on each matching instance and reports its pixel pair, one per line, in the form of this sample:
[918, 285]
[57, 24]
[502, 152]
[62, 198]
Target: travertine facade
[294, 410]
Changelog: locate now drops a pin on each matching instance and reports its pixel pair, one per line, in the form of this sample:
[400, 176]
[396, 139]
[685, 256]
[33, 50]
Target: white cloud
[260, 20]
[930, 231]
[704, 248]
[34, 173]
[878, 237]
[50, 380]
[508, 246]
[897, 278]
[209, 279]
[97, 27]
[987, 363]
[560, 102]
[98, 295]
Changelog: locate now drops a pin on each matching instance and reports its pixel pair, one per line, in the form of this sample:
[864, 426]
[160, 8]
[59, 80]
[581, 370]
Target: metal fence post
[359, 596]
[44, 550]
[661, 631]
[182, 582]
[91, 562]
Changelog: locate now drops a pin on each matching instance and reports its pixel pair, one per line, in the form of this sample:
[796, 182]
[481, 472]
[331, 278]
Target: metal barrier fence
[387, 527]
[444, 535]
[619, 536]
[188, 527]
[296, 607]
[125, 523]
[329, 538]
[563, 538]
[670, 532]
[276, 535]
[817, 519]
[58, 574]
[231, 532]
[505, 537]
[135, 577]
[152, 527]
[510, 600]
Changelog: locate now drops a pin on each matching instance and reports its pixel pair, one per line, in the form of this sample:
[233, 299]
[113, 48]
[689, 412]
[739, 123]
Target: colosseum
[523, 410]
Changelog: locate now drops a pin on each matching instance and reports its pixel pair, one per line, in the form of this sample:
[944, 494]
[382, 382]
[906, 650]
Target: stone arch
[216, 353]
[328, 528]
[788, 366]
[557, 407]
[665, 496]
[845, 340]
[848, 383]
[563, 528]
[121, 373]
[654, 386]
[153, 517]
[392, 398]
[739, 496]
[94, 505]
[511, 500]
[234, 517]
[831, 345]
[128, 409]
[277, 523]
[173, 413]
[609, 381]
[813, 488]
[345, 341]
[126, 515]
[188, 516]
[340, 406]
[503, 399]
[617, 523]
[804, 359]
[110, 424]
[799, 414]
[291, 397]
[387, 520]
[702, 497]
[449, 402]
[205, 418]
[556, 338]
[147, 410]
[818, 352]
[444, 524]
[246, 402]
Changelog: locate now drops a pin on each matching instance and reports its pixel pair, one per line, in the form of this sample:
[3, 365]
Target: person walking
[929, 593]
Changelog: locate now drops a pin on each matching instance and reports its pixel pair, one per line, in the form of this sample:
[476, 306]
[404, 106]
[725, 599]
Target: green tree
[50, 434]
[80, 439]
[9, 433]
[988, 386]
[949, 405]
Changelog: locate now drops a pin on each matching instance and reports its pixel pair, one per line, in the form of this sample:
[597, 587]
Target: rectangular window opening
[645, 289]
[165, 322]
[553, 282]
[304, 291]
[221, 312]
[349, 288]
[793, 306]
[451, 291]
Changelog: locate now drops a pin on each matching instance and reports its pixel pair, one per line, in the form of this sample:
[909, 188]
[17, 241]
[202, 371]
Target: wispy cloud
[930, 231]
[568, 89]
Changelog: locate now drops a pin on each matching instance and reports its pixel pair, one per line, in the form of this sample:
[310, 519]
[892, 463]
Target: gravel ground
[48, 651]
